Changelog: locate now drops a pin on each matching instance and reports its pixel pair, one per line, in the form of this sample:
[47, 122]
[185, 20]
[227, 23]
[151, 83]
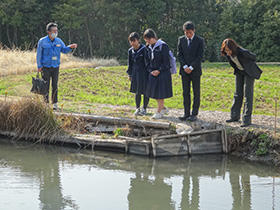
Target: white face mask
[54, 35]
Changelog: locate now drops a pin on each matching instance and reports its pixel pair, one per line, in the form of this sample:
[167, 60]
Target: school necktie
[189, 42]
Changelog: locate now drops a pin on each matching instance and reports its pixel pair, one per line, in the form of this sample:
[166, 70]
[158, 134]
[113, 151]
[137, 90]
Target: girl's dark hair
[133, 36]
[149, 33]
[50, 25]
[231, 44]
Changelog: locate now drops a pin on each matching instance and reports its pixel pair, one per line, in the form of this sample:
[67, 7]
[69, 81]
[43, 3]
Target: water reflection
[67, 179]
[43, 164]
[241, 191]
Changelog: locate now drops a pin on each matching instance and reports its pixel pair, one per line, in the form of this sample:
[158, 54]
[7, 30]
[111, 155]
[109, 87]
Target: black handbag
[39, 86]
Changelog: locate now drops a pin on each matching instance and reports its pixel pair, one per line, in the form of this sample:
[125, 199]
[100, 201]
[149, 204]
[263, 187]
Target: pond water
[48, 177]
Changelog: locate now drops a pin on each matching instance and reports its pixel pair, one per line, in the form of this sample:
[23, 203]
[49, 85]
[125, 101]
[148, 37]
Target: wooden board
[118, 120]
[200, 142]
[207, 143]
[139, 148]
[170, 146]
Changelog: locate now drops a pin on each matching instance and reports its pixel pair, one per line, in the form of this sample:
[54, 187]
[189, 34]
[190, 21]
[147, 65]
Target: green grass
[110, 85]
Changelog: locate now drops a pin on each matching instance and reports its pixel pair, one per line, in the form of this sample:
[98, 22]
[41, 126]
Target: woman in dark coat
[159, 84]
[246, 71]
[137, 72]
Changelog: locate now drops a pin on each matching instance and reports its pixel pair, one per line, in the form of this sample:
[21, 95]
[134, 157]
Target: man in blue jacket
[48, 59]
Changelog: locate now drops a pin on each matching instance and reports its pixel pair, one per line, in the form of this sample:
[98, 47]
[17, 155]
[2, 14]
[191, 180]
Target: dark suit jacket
[248, 61]
[191, 56]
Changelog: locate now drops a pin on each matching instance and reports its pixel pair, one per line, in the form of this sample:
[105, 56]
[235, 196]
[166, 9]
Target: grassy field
[80, 89]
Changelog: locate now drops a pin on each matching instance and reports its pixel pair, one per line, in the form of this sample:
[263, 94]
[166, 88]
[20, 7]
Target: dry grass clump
[29, 118]
[73, 124]
[15, 61]
[4, 115]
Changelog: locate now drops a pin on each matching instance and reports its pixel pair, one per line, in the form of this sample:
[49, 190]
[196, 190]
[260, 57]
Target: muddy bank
[254, 145]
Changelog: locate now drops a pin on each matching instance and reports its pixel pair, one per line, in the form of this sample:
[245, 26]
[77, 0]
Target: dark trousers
[244, 86]
[186, 83]
[51, 74]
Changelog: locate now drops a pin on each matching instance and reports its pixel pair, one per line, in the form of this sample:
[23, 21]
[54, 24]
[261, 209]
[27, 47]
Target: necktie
[189, 42]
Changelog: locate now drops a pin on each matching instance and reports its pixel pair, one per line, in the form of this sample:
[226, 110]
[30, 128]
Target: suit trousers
[244, 86]
[49, 74]
[186, 83]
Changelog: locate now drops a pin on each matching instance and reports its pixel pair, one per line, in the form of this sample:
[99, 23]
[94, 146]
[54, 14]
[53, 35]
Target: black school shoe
[192, 118]
[243, 125]
[184, 118]
[232, 120]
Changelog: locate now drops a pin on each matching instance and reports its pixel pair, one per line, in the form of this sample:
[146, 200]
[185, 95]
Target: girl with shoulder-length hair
[159, 84]
[137, 72]
[246, 71]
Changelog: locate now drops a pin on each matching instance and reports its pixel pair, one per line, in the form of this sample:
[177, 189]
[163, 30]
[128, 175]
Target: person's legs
[160, 105]
[137, 100]
[54, 76]
[146, 102]
[238, 97]
[248, 104]
[46, 76]
[145, 105]
[196, 95]
[158, 114]
[186, 84]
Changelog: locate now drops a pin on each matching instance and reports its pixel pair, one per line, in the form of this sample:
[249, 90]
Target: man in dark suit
[190, 53]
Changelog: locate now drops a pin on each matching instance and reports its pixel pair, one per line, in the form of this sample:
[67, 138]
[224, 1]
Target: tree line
[101, 27]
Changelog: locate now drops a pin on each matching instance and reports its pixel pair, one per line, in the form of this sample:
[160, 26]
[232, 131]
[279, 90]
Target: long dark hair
[149, 33]
[231, 44]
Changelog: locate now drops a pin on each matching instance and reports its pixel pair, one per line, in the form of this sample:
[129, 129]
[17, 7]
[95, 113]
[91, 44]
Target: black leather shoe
[192, 118]
[232, 120]
[243, 125]
[184, 118]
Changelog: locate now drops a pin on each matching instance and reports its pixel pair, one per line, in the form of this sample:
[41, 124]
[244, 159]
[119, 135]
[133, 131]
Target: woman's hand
[155, 73]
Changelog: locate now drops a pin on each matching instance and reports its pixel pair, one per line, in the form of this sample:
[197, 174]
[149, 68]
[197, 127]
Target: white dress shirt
[237, 63]
[186, 66]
